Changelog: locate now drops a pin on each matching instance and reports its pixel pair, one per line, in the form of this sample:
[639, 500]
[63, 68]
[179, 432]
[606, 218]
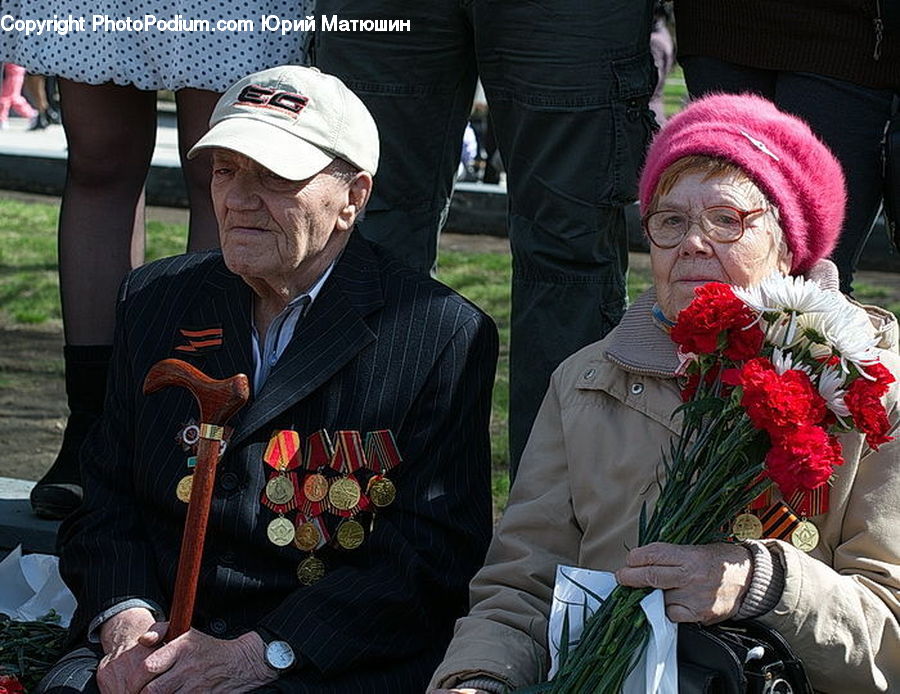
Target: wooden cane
[218, 401]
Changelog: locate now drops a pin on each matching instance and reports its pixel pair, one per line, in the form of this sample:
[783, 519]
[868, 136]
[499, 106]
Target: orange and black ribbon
[778, 521]
[200, 339]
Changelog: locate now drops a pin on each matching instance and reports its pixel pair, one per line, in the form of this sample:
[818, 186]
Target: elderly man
[365, 376]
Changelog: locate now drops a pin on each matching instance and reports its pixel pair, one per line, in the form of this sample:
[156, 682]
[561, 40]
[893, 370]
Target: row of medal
[323, 485]
[322, 482]
[768, 518]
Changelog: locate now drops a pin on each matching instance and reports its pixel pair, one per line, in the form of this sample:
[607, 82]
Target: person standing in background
[834, 64]
[13, 77]
[568, 86]
[108, 83]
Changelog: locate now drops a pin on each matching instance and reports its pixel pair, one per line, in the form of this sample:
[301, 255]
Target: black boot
[58, 492]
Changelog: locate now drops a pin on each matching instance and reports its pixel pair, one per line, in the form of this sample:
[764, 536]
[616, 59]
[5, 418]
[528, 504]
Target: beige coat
[589, 465]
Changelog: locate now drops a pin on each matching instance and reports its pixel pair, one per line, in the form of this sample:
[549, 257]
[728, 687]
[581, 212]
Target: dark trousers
[848, 117]
[74, 673]
[568, 83]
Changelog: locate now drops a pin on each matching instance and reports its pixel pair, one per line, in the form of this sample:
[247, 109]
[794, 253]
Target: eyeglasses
[721, 223]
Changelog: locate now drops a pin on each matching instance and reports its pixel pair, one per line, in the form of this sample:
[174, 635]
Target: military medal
[279, 490]
[307, 537]
[810, 502]
[280, 531]
[310, 570]
[805, 536]
[190, 435]
[381, 491]
[747, 527]
[350, 534]
[315, 487]
[382, 455]
[283, 456]
[183, 490]
[344, 494]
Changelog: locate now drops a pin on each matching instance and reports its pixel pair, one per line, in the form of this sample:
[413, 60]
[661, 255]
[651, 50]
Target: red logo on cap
[255, 95]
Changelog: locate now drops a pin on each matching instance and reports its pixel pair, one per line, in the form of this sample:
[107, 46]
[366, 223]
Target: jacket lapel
[331, 334]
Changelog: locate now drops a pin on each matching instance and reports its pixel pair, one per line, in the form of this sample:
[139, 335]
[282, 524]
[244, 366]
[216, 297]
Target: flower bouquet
[770, 376]
[28, 650]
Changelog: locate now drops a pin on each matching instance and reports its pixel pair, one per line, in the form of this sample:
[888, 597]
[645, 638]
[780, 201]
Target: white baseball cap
[293, 120]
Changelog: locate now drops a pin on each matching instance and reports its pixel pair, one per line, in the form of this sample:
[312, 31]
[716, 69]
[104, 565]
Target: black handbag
[743, 657]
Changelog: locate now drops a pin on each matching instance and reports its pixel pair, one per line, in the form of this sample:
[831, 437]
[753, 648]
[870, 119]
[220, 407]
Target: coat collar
[639, 345]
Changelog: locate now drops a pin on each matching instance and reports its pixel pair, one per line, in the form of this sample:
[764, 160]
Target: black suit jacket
[380, 348]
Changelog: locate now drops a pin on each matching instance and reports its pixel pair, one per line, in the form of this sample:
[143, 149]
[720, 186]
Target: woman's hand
[702, 583]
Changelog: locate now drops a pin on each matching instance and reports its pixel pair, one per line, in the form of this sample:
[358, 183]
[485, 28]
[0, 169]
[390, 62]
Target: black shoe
[40, 121]
[58, 493]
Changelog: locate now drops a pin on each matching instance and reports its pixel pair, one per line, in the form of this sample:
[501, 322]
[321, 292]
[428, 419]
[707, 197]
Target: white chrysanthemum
[785, 361]
[831, 387]
[848, 329]
[811, 334]
[782, 331]
[779, 292]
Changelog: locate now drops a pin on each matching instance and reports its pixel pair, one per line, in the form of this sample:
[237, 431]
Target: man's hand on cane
[193, 662]
[121, 669]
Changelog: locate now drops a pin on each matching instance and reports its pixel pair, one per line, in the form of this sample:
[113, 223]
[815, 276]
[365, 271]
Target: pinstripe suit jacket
[381, 348]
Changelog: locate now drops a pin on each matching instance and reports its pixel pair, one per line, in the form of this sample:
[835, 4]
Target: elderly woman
[733, 189]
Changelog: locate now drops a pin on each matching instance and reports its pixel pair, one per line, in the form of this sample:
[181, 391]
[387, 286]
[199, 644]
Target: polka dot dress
[152, 59]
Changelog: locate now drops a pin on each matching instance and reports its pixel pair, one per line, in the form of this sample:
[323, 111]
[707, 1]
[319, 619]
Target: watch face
[279, 655]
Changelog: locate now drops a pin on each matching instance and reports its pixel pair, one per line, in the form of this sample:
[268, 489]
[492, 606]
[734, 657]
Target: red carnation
[863, 399]
[779, 403]
[716, 319]
[803, 460]
[10, 685]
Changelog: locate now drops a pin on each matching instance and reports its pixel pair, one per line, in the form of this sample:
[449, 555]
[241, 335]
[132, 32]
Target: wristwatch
[279, 654]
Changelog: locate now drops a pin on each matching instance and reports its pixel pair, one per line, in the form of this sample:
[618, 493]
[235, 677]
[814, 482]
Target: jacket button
[589, 374]
[218, 626]
[229, 482]
[637, 388]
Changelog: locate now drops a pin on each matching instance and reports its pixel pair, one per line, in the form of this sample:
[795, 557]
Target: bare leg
[194, 109]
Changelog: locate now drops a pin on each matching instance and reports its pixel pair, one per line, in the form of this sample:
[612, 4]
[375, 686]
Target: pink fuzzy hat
[779, 153]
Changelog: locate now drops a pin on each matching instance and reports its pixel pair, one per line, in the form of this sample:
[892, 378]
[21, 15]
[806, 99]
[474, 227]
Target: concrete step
[18, 525]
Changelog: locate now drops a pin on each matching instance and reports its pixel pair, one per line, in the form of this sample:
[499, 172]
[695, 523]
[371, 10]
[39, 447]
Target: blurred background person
[568, 84]
[834, 64]
[11, 98]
